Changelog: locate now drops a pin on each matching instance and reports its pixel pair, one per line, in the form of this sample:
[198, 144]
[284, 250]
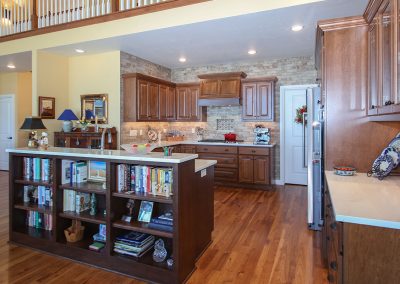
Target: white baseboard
[278, 182]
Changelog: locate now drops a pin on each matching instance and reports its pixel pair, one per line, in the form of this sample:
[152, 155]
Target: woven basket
[75, 232]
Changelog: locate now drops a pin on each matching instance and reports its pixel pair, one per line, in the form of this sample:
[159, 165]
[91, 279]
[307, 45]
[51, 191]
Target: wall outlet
[133, 133]
[193, 131]
[141, 132]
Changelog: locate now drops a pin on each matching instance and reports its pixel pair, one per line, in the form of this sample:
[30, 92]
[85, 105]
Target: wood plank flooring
[259, 237]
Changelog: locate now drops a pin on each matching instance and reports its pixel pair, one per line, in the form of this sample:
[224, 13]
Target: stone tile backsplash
[289, 71]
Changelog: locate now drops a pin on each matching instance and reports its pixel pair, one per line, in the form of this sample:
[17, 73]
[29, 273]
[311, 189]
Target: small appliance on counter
[261, 135]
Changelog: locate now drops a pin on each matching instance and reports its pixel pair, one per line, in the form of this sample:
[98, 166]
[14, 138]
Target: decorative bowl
[140, 149]
[344, 171]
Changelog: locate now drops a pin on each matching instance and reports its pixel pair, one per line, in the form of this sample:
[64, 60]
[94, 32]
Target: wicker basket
[75, 232]
[175, 138]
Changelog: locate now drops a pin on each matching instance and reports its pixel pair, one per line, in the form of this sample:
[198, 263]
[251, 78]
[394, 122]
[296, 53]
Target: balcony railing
[17, 16]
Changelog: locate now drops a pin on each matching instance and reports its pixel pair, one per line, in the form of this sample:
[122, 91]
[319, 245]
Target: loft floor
[259, 237]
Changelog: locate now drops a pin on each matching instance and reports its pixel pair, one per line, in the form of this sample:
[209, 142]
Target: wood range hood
[221, 89]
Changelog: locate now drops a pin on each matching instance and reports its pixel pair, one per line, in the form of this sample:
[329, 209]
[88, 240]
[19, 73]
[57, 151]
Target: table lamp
[67, 116]
[32, 124]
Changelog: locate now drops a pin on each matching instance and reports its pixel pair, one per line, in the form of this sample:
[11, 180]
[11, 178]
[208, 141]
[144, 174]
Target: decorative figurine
[44, 141]
[160, 253]
[93, 205]
[170, 263]
[130, 205]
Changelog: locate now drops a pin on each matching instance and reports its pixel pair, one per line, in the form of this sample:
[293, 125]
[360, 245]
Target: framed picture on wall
[47, 107]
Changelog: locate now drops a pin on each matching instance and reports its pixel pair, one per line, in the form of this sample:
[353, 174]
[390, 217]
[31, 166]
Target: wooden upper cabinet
[143, 100]
[187, 97]
[373, 75]
[167, 103]
[221, 85]
[258, 99]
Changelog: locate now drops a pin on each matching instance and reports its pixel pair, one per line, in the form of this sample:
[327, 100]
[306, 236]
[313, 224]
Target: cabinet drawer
[254, 151]
[217, 149]
[223, 161]
[225, 174]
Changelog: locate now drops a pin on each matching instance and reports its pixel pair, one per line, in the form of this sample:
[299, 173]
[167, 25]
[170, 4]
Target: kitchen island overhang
[191, 204]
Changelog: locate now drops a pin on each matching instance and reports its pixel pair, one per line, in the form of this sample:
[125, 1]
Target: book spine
[162, 222]
[133, 178]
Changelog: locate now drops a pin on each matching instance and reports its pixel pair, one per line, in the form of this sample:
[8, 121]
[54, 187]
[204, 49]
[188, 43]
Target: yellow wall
[96, 74]
[50, 79]
[19, 84]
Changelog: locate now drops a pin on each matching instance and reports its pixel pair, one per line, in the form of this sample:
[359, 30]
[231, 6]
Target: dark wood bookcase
[185, 244]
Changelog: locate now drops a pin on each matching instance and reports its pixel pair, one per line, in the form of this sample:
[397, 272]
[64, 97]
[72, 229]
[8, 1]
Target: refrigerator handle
[304, 141]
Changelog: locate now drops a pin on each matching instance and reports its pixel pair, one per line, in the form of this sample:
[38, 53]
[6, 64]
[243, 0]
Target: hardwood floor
[259, 237]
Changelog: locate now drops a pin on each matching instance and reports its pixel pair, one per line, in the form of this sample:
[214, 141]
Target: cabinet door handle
[333, 265]
[226, 150]
[253, 151]
[333, 226]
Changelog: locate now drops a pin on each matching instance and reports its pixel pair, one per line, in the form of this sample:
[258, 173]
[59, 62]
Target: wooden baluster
[33, 18]
[103, 7]
[51, 15]
[128, 4]
[122, 5]
[87, 9]
[26, 14]
[2, 19]
[39, 14]
[92, 13]
[108, 7]
[115, 5]
[97, 7]
[47, 13]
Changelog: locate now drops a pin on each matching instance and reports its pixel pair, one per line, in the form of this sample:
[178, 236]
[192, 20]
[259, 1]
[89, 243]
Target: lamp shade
[32, 123]
[68, 115]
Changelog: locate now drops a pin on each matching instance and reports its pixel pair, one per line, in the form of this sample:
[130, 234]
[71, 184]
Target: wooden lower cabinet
[246, 166]
[262, 170]
[85, 140]
[359, 254]
[255, 166]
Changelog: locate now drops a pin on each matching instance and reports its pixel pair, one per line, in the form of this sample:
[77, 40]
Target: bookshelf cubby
[182, 243]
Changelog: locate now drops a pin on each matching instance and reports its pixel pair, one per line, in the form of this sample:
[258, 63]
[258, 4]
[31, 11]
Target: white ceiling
[22, 62]
[229, 39]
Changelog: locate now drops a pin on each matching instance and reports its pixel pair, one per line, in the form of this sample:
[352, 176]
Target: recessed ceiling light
[297, 28]
[11, 66]
[182, 59]
[252, 51]
[79, 50]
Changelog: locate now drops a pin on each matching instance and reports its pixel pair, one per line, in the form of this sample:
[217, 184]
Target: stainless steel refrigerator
[315, 157]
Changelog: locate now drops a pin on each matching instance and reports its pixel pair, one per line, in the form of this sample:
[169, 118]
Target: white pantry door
[295, 148]
[7, 128]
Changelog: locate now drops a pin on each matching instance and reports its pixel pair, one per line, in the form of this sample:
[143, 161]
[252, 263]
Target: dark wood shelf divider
[84, 216]
[86, 187]
[142, 228]
[33, 207]
[144, 196]
[33, 182]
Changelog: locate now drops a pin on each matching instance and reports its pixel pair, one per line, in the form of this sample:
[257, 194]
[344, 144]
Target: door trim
[282, 91]
[13, 119]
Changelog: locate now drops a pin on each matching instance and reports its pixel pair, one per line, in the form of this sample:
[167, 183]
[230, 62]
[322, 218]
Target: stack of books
[40, 195]
[75, 201]
[144, 179]
[37, 169]
[164, 222]
[39, 220]
[99, 239]
[74, 172]
[134, 244]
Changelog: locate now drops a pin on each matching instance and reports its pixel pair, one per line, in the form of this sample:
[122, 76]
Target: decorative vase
[67, 126]
[93, 205]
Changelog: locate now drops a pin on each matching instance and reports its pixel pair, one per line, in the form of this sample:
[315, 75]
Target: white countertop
[365, 200]
[200, 164]
[176, 158]
[193, 142]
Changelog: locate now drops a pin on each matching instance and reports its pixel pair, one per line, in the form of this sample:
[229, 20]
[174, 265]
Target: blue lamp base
[67, 126]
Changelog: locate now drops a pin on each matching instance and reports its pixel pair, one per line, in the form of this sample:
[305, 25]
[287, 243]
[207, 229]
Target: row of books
[134, 244]
[36, 169]
[144, 179]
[40, 195]
[39, 220]
[164, 222]
[75, 201]
[74, 172]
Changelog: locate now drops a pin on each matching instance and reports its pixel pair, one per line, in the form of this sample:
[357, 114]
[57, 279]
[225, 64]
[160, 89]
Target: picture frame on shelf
[97, 171]
[47, 107]
[145, 212]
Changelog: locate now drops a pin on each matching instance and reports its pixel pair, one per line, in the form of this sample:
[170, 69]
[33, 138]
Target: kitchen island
[41, 226]
[361, 235]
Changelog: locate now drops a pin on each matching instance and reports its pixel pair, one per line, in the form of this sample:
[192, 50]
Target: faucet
[103, 136]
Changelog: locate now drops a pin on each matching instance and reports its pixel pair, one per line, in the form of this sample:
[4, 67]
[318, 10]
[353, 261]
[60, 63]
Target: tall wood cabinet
[147, 98]
[258, 99]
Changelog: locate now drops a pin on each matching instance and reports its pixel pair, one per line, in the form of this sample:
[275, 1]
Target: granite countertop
[200, 164]
[193, 142]
[365, 200]
[176, 158]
